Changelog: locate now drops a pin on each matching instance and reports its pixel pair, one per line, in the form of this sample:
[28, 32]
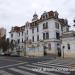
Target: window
[11, 35]
[22, 33]
[33, 38]
[47, 35]
[57, 35]
[22, 40]
[46, 16]
[27, 38]
[68, 45]
[37, 29]
[43, 17]
[67, 29]
[57, 25]
[19, 33]
[19, 47]
[27, 31]
[22, 47]
[37, 37]
[33, 30]
[18, 41]
[45, 25]
[62, 28]
[43, 36]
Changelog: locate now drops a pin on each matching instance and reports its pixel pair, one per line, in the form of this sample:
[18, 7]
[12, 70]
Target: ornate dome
[35, 17]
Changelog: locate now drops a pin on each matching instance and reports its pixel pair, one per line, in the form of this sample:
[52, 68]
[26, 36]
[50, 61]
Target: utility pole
[74, 22]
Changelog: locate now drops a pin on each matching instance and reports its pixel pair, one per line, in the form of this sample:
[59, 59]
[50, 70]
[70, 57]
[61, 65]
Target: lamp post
[74, 22]
[25, 48]
[63, 50]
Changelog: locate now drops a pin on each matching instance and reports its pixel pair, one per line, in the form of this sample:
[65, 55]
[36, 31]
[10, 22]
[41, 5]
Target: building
[68, 44]
[17, 37]
[40, 37]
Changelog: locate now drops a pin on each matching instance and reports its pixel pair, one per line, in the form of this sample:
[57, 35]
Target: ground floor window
[68, 45]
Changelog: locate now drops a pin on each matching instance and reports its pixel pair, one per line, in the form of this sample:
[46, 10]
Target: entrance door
[45, 53]
[59, 52]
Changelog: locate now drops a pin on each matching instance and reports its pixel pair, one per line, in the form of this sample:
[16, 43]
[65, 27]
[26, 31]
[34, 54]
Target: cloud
[17, 12]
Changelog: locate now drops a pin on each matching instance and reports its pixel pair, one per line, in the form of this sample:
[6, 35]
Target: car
[14, 54]
[6, 54]
[2, 53]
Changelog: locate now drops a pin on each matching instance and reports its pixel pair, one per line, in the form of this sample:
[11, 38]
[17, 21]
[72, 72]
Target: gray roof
[68, 34]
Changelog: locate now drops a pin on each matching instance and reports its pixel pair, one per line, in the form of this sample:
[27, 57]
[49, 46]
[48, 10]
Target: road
[36, 66]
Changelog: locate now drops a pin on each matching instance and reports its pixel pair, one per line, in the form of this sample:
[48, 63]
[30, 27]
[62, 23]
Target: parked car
[14, 54]
[7, 53]
[2, 53]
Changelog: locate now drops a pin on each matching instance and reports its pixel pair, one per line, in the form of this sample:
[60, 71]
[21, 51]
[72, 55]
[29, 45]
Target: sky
[18, 12]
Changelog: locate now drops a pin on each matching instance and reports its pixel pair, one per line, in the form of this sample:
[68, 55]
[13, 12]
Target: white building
[68, 44]
[41, 36]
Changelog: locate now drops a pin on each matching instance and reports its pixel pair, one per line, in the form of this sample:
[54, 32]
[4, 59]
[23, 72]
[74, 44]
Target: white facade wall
[39, 51]
[68, 52]
[52, 36]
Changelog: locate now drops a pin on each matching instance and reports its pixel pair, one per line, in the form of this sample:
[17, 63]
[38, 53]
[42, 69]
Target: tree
[11, 45]
[3, 43]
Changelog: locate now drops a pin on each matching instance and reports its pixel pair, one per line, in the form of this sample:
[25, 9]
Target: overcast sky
[17, 12]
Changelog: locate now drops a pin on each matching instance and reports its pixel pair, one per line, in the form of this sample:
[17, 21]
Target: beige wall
[69, 53]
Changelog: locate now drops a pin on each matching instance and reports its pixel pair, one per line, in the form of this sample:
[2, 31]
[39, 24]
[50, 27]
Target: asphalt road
[33, 66]
[7, 61]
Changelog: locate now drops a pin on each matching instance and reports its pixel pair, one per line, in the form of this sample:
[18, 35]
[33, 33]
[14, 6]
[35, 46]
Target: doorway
[59, 52]
[45, 52]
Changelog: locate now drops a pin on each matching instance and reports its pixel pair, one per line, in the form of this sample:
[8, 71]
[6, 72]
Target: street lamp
[25, 48]
[63, 50]
[74, 22]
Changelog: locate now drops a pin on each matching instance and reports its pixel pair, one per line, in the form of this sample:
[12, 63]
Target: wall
[67, 52]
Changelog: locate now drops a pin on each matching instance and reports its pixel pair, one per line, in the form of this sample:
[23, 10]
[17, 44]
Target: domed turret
[56, 14]
[35, 17]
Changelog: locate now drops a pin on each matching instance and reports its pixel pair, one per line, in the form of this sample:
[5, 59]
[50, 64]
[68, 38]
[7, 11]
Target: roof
[49, 15]
[17, 29]
[44, 16]
[68, 34]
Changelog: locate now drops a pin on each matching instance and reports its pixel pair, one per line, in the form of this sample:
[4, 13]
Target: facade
[41, 36]
[17, 37]
[68, 44]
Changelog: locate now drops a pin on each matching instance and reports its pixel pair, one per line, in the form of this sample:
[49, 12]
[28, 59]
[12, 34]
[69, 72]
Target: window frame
[57, 25]
[32, 30]
[57, 37]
